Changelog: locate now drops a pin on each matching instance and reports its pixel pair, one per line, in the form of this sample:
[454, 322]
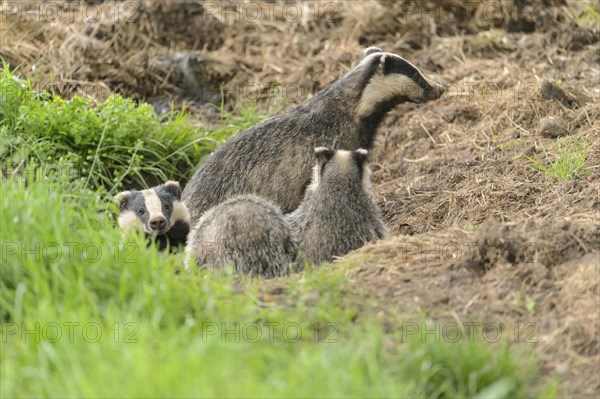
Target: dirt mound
[538, 281]
[99, 48]
[95, 48]
[472, 155]
[485, 233]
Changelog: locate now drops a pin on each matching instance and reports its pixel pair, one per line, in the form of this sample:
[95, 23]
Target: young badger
[157, 211]
[337, 214]
[246, 232]
[274, 158]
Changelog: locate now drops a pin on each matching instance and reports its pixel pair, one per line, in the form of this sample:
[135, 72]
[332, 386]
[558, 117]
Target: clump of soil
[550, 91]
[552, 126]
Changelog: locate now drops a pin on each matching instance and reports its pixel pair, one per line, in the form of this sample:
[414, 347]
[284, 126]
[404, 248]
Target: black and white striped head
[386, 79]
[342, 169]
[154, 210]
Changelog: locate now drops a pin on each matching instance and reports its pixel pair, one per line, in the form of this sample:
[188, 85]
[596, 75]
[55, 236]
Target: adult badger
[274, 158]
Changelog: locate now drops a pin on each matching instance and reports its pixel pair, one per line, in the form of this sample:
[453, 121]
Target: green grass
[590, 17]
[84, 314]
[162, 332]
[114, 144]
[463, 369]
[567, 164]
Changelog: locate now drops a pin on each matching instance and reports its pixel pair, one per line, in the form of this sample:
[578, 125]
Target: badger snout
[435, 91]
[158, 225]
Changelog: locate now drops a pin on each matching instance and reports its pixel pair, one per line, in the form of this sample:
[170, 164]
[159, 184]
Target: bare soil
[479, 233]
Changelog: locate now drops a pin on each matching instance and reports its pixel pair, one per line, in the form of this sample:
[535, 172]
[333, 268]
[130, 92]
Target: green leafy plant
[113, 144]
[567, 164]
[589, 18]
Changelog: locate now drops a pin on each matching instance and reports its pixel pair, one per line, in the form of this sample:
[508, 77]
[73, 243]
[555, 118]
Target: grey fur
[274, 158]
[246, 232]
[337, 214]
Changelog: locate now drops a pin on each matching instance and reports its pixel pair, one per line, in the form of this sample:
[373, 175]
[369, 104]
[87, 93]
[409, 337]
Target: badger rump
[247, 233]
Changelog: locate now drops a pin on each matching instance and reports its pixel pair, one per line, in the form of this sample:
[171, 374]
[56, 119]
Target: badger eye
[167, 207]
[141, 211]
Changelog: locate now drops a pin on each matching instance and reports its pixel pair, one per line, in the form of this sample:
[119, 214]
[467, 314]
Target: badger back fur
[273, 159]
[246, 232]
[337, 214]
[158, 212]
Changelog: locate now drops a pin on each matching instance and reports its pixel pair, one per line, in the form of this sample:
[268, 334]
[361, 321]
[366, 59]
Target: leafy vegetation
[590, 17]
[568, 163]
[114, 143]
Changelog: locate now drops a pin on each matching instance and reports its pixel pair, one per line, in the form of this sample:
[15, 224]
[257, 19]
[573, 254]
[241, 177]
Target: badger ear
[371, 50]
[323, 154]
[122, 199]
[173, 188]
[360, 156]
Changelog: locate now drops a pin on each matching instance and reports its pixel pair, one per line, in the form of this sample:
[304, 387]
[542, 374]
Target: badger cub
[337, 214]
[157, 211]
[246, 232]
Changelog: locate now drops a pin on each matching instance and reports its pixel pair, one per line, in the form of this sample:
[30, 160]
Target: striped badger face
[155, 210]
[387, 79]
